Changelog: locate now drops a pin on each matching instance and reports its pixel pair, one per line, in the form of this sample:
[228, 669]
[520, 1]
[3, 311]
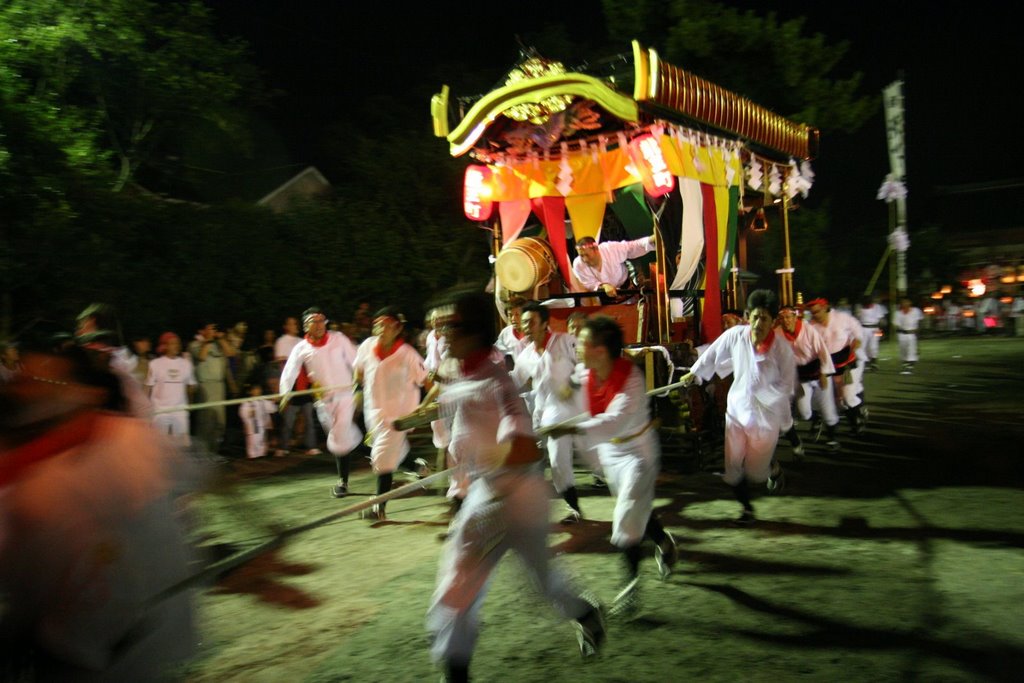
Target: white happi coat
[391, 389]
[550, 371]
[843, 330]
[871, 318]
[758, 403]
[613, 263]
[329, 365]
[508, 344]
[631, 463]
[808, 345]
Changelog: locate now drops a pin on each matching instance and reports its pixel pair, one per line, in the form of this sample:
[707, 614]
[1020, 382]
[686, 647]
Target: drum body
[524, 264]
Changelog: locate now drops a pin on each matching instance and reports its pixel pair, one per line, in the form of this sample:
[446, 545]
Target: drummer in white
[602, 267]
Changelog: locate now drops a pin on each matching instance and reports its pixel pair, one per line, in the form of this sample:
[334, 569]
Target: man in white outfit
[511, 340]
[758, 406]
[507, 504]
[327, 357]
[907, 320]
[619, 426]
[391, 374]
[872, 317]
[814, 371]
[842, 334]
[170, 382]
[546, 365]
[283, 346]
[602, 267]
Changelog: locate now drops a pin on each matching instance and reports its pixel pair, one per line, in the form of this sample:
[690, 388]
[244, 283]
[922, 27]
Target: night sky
[961, 62]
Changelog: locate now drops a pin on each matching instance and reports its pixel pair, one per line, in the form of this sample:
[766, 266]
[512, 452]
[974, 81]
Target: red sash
[599, 396]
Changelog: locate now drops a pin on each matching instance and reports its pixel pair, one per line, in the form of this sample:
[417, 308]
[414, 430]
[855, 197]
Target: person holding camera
[210, 352]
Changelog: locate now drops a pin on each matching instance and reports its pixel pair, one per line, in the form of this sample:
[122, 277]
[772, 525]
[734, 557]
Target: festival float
[631, 147]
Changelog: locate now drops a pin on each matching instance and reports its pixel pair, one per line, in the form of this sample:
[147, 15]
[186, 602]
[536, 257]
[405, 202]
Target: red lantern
[650, 162]
[476, 193]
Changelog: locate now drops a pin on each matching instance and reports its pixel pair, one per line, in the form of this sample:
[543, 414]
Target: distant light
[937, 295]
[929, 310]
[1006, 300]
[976, 287]
[946, 289]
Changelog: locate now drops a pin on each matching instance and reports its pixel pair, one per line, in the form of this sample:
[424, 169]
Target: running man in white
[758, 406]
[170, 382]
[547, 364]
[328, 357]
[620, 428]
[507, 504]
[814, 371]
[842, 334]
[391, 374]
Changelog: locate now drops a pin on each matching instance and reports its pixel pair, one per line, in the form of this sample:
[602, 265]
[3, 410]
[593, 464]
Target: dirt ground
[899, 558]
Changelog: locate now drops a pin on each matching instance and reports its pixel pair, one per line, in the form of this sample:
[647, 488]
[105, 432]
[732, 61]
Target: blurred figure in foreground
[88, 534]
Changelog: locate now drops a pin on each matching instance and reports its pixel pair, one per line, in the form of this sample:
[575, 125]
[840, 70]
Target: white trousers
[870, 342]
[389, 446]
[560, 457]
[908, 347]
[508, 514]
[335, 413]
[174, 425]
[748, 452]
[814, 397]
[631, 480]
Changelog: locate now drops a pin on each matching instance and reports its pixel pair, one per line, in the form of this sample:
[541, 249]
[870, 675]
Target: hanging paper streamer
[729, 252]
[586, 213]
[807, 173]
[513, 215]
[551, 211]
[899, 240]
[630, 207]
[774, 181]
[711, 320]
[892, 189]
[564, 182]
[755, 174]
[691, 241]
